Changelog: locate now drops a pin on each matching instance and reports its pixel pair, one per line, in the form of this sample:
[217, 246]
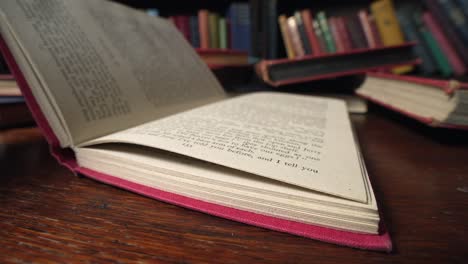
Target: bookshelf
[268, 43]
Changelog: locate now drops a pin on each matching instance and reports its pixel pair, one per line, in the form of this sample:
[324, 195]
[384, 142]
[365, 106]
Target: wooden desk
[420, 177]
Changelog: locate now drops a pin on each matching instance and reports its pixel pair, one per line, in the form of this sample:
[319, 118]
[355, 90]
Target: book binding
[380, 242]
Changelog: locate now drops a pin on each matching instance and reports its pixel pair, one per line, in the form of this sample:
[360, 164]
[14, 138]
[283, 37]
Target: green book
[213, 26]
[222, 28]
[442, 63]
[327, 35]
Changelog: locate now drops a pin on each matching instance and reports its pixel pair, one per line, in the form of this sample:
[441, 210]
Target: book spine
[332, 24]
[309, 28]
[457, 18]
[282, 20]
[440, 17]
[194, 33]
[375, 31]
[389, 28]
[295, 38]
[203, 29]
[264, 30]
[256, 28]
[387, 22]
[222, 33]
[421, 50]
[272, 51]
[184, 22]
[344, 34]
[229, 32]
[365, 24]
[439, 57]
[357, 34]
[213, 20]
[302, 33]
[448, 50]
[320, 38]
[244, 24]
[329, 41]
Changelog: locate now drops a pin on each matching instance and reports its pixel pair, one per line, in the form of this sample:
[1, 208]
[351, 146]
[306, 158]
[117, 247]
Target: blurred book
[438, 103]
[309, 68]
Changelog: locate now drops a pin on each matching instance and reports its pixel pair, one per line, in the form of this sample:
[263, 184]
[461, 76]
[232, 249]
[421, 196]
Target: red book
[344, 34]
[378, 242]
[415, 97]
[310, 68]
[452, 56]
[364, 19]
[314, 42]
[184, 26]
[333, 25]
[204, 29]
[175, 170]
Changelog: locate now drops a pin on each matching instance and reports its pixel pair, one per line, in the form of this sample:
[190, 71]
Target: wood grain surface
[420, 176]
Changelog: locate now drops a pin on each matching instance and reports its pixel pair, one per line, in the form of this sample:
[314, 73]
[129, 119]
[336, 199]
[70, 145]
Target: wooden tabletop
[420, 176]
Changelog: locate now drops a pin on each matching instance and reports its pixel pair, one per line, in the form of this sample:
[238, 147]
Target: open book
[124, 99]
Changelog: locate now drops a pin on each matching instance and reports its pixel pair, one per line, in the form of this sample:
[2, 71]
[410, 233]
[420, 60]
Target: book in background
[415, 97]
[389, 27]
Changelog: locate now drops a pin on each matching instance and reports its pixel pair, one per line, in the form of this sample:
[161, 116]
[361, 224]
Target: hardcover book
[310, 68]
[152, 119]
[438, 103]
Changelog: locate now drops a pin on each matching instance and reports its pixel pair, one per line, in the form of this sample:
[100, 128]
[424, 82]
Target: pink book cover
[380, 242]
[333, 24]
[446, 86]
[364, 20]
[436, 30]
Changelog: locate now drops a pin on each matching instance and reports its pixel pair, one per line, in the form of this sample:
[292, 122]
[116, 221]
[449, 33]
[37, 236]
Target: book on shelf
[455, 40]
[309, 68]
[389, 27]
[152, 119]
[405, 14]
[438, 103]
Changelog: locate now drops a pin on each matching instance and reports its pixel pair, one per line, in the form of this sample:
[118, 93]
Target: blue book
[194, 32]
[239, 16]
[457, 18]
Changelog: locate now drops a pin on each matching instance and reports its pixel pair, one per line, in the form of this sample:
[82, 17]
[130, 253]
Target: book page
[305, 141]
[104, 66]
